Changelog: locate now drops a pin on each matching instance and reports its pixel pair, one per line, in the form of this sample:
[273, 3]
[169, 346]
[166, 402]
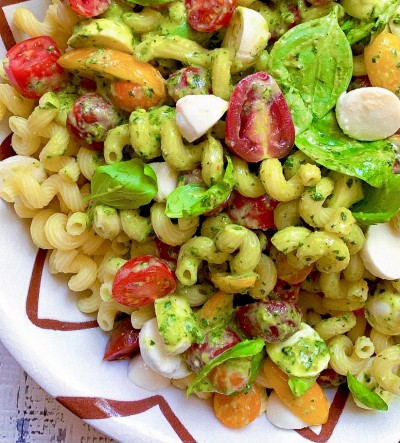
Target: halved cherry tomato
[130, 96]
[188, 80]
[31, 67]
[286, 271]
[231, 376]
[141, 280]
[311, 407]
[213, 344]
[88, 8]
[209, 15]
[271, 320]
[238, 410]
[252, 213]
[123, 341]
[285, 291]
[91, 117]
[167, 252]
[382, 61]
[258, 121]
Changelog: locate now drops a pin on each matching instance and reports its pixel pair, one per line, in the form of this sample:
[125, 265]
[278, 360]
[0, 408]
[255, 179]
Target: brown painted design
[89, 408]
[335, 411]
[5, 30]
[32, 302]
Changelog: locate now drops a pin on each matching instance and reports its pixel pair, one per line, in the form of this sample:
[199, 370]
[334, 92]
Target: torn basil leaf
[124, 185]
[364, 395]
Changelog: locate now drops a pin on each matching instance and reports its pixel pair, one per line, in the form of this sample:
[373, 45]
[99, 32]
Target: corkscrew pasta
[255, 242]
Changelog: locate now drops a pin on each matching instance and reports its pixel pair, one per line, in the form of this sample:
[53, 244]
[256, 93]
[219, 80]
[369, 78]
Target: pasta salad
[220, 180]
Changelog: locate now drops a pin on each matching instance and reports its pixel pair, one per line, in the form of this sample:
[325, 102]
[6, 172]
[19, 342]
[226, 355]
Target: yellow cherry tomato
[382, 61]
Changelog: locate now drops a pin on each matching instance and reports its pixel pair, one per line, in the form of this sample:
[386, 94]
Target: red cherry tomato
[213, 344]
[88, 8]
[285, 291]
[123, 341]
[258, 121]
[209, 15]
[271, 320]
[252, 213]
[91, 117]
[141, 280]
[167, 252]
[31, 67]
[188, 81]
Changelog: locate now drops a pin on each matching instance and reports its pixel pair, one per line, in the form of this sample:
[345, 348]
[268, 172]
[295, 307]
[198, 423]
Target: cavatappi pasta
[278, 252]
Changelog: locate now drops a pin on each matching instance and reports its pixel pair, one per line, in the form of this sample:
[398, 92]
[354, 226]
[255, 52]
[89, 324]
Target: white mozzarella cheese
[197, 114]
[247, 35]
[368, 114]
[167, 179]
[381, 251]
[155, 355]
[280, 416]
[143, 376]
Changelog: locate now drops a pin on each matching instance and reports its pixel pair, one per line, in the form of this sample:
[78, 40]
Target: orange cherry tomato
[382, 61]
[130, 96]
[287, 272]
[312, 407]
[238, 410]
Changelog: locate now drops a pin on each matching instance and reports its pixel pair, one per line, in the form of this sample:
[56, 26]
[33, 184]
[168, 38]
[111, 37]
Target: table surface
[29, 415]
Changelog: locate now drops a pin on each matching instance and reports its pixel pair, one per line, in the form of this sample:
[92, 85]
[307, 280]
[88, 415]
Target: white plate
[62, 350]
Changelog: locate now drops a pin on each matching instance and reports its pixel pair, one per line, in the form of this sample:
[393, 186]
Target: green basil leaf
[357, 30]
[124, 185]
[379, 205]
[325, 143]
[194, 199]
[364, 395]
[246, 348]
[300, 385]
[313, 65]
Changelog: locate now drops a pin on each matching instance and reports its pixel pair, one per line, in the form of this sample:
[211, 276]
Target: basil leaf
[313, 65]
[124, 185]
[246, 348]
[194, 199]
[379, 205]
[357, 30]
[325, 143]
[300, 385]
[364, 395]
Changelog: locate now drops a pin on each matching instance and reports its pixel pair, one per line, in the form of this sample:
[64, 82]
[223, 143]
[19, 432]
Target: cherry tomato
[285, 291]
[237, 411]
[167, 252]
[286, 271]
[189, 80]
[209, 15]
[213, 344]
[252, 213]
[231, 376]
[141, 280]
[359, 82]
[88, 8]
[91, 117]
[270, 320]
[31, 67]
[258, 121]
[382, 61]
[130, 96]
[123, 341]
